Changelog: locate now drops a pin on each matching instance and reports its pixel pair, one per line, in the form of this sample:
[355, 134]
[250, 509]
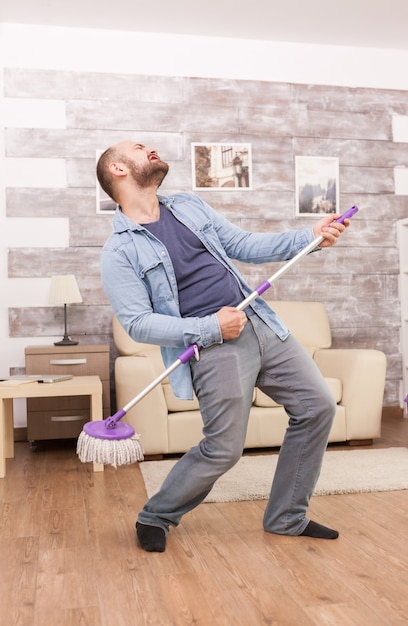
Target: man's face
[144, 164]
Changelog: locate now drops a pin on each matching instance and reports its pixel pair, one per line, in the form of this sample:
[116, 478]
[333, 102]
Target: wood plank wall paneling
[357, 280]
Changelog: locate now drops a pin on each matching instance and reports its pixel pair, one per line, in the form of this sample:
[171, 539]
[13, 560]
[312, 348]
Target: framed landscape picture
[221, 166]
[317, 185]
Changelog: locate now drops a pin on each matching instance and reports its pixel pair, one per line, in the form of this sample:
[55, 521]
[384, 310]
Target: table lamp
[64, 290]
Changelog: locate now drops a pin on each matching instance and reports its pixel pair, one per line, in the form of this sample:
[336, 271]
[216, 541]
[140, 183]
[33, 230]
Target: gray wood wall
[357, 279]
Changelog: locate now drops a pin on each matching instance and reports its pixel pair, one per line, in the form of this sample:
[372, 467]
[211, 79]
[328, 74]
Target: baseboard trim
[392, 412]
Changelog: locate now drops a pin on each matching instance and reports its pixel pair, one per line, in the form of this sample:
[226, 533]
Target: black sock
[151, 538]
[313, 529]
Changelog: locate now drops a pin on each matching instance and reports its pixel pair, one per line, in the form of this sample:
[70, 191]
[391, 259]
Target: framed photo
[104, 204]
[224, 166]
[317, 185]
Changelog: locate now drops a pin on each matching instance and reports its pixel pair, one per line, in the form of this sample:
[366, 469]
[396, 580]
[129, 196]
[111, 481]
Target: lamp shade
[64, 290]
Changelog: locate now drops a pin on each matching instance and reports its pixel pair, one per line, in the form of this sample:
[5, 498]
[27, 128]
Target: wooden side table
[77, 386]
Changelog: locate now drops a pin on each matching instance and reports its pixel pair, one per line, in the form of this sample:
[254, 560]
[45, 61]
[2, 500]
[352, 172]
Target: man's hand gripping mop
[112, 442]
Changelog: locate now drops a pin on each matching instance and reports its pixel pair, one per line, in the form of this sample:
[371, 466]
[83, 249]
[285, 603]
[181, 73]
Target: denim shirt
[139, 280]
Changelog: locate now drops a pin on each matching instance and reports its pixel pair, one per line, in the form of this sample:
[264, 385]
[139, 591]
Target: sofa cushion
[334, 384]
[175, 404]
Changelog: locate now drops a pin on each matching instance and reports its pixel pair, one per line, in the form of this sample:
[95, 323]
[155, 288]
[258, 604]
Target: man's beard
[151, 174]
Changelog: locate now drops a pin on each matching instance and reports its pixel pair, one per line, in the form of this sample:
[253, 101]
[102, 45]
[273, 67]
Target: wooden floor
[69, 555]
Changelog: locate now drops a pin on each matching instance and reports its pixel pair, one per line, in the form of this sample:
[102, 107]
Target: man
[167, 272]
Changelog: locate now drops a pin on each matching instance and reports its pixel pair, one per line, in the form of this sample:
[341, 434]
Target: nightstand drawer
[56, 424]
[85, 364]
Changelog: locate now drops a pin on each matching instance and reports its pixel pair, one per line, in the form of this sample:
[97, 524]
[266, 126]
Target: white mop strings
[109, 452]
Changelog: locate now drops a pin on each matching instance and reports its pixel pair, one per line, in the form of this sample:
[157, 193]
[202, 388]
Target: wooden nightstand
[64, 417]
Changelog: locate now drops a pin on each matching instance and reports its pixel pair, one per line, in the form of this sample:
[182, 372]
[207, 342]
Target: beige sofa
[167, 425]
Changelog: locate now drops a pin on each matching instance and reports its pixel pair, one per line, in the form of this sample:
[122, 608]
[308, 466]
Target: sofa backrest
[125, 345]
[307, 321]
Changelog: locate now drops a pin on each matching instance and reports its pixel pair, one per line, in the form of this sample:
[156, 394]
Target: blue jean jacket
[139, 280]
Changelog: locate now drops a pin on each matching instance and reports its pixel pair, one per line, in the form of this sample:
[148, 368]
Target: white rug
[343, 471]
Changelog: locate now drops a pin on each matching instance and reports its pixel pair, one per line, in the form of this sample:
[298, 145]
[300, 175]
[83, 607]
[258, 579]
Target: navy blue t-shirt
[204, 284]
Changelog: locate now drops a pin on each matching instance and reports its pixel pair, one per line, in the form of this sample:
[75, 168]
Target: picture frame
[221, 166]
[317, 185]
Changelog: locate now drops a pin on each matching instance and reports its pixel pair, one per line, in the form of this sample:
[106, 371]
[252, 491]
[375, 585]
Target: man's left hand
[331, 230]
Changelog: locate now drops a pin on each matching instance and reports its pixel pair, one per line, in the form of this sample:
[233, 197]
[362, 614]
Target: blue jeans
[224, 379]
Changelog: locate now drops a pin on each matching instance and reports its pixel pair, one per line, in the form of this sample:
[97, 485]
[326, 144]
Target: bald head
[128, 163]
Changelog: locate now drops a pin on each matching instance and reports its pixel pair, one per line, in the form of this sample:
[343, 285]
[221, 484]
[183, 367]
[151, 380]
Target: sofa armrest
[149, 416]
[362, 373]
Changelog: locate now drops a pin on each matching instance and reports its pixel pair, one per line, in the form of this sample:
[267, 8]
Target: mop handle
[192, 350]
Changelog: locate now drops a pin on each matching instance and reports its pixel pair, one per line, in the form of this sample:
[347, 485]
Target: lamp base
[66, 341]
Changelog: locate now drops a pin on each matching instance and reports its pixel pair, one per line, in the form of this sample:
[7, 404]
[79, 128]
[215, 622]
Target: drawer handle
[67, 361]
[67, 418]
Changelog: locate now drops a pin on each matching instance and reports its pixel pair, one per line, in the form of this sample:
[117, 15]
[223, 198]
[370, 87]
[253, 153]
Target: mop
[112, 442]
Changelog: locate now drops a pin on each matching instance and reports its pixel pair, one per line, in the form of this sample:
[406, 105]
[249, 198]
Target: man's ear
[117, 169]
